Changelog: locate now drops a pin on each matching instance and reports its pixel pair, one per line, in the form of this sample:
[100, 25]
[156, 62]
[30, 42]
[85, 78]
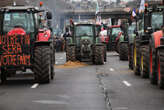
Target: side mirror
[49, 15]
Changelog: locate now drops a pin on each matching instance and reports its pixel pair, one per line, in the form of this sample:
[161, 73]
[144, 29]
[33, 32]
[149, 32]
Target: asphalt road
[111, 86]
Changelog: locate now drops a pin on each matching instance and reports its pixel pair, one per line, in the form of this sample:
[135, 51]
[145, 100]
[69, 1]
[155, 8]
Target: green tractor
[151, 21]
[85, 45]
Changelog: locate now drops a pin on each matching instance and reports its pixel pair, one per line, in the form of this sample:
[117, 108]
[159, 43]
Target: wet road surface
[106, 87]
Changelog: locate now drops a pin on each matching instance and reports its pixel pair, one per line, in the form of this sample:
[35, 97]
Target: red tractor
[25, 43]
[114, 34]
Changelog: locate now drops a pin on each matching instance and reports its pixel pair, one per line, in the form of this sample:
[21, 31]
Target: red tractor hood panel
[16, 31]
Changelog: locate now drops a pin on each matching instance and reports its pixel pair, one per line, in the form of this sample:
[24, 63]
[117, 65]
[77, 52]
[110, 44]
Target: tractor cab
[153, 17]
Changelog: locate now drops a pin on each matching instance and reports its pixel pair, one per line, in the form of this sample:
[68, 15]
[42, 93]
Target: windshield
[84, 30]
[131, 28]
[115, 31]
[157, 20]
[18, 19]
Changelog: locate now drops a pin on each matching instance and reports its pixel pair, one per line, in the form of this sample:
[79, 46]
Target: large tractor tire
[52, 65]
[3, 76]
[42, 64]
[105, 54]
[70, 53]
[99, 55]
[130, 56]
[161, 68]
[52, 61]
[136, 58]
[144, 63]
[153, 62]
[123, 51]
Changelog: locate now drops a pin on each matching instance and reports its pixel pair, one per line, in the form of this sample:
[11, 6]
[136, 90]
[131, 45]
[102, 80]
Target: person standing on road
[66, 34]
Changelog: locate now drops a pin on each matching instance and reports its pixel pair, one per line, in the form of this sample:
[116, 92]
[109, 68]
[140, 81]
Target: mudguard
[157, 36]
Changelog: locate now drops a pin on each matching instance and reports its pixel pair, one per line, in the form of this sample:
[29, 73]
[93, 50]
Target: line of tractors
[141, 42]
[27, 42]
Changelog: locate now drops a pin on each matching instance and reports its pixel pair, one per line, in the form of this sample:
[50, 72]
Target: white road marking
[121, 108]
[56, 62]
[64, 96]
[34, 86]
[127, 83]
[61, 58]
[111, 69]
[50, 102]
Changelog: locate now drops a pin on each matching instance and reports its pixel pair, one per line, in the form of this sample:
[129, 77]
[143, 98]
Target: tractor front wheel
[123, 51]
[136, 58]
[42, 64]
[130, 56]
[144, 66]
[70, 53]
[161, 69]
[153, 63]
[99, 55]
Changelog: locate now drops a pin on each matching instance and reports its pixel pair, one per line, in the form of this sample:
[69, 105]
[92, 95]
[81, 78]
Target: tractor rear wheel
[136, 58]
[42, 64]
[99, 55]
[153, 62]
[144, 63]
[105, 53]
[161, 68]
[52, 62]
[130, 56]
[123, 51]
[52, 66]
[70, 53]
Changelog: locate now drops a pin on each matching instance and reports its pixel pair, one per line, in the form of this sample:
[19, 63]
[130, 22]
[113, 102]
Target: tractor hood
[16, 31]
